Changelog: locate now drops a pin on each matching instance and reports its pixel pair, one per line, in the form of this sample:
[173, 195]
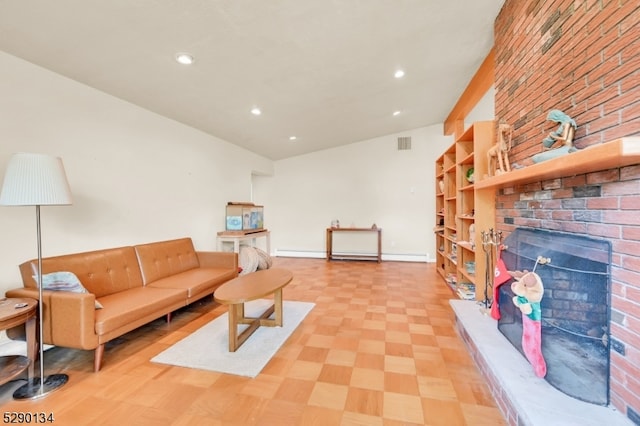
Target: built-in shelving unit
[445, 213]
[461, 214]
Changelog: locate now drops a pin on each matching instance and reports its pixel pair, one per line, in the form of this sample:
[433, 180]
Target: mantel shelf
[617, 153]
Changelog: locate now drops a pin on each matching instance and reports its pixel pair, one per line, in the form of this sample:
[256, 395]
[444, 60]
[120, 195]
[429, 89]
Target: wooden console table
[331, 256]
[236, 237]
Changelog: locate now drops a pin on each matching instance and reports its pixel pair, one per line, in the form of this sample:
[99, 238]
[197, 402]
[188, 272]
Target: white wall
[360, 184]
[135, 176]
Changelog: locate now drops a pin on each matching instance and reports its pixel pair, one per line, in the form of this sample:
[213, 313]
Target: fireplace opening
[575, 307]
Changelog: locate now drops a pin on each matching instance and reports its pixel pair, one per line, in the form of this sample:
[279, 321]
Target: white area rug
[208, 347]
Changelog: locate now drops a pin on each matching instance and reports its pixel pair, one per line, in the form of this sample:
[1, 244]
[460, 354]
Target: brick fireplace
[582, 57]
[603, 205]
[574, 310]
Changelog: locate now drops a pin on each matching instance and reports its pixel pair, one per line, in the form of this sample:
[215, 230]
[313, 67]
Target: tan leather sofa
[134, 285]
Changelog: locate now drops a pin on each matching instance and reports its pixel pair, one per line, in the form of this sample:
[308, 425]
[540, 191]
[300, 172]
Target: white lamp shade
[35, 180]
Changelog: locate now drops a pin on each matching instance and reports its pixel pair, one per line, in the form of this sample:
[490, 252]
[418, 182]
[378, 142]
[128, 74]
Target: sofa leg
[97, 358]
[168, 317]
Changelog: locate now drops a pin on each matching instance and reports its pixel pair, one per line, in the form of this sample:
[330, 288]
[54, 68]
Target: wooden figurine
[498, 154]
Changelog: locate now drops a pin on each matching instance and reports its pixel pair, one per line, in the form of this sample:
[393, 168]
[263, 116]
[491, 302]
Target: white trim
[388, 257]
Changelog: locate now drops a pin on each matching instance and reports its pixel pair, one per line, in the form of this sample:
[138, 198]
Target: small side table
[11, 316]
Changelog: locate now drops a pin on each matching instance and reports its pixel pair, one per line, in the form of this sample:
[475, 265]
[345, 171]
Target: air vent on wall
[404, 143]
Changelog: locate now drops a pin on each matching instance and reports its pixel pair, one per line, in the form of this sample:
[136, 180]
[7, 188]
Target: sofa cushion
[195, 281]
[128, 306]
[101, 272]
[166, 258]
[63, 281]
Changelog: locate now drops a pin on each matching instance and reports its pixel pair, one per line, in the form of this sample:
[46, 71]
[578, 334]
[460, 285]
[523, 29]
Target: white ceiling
[321, 70]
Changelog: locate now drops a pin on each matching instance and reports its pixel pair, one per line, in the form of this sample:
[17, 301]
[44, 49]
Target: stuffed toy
[528, 290]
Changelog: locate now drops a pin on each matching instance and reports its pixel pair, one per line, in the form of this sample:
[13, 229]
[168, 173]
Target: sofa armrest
[218, 259]
[68, 318]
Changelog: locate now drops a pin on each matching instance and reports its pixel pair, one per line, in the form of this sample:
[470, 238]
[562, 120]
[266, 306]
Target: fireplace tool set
[491, 243]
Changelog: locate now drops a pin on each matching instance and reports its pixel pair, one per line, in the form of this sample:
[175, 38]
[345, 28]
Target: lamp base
[33, 390]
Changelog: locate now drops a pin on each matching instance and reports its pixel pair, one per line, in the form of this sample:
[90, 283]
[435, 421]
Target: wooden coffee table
[249, 287]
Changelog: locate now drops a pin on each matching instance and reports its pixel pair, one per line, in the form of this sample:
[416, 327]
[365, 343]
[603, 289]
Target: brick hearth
[523, 398]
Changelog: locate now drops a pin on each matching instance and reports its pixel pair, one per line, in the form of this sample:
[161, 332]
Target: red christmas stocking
[532, 344]
[501, 277]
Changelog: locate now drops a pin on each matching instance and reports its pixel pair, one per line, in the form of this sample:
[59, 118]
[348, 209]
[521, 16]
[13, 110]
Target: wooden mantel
[618, 153]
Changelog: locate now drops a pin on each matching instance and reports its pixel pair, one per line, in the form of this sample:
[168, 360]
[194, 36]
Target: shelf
[466, 245]
[467, 160]
[468, 134]
[12, 366]
[468, 276]
[372, 257]
[618, 153]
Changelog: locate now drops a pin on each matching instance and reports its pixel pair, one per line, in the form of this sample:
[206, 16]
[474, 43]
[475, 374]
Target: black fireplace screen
[575, 307]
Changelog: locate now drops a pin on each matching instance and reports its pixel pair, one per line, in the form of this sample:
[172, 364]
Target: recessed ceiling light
[184, 58]
[292, 138]
[396, 113]
[256, 111]
[399, 74]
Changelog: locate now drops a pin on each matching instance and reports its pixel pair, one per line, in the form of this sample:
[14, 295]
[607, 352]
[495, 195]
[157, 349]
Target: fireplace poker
[491, 241]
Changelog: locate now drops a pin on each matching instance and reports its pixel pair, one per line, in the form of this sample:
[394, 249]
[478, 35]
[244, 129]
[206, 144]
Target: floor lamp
[36, 180]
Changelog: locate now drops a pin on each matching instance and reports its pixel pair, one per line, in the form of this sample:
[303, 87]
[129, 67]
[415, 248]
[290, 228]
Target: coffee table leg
[233, 327]
[240, 312]
[237, 316]
[277, 302]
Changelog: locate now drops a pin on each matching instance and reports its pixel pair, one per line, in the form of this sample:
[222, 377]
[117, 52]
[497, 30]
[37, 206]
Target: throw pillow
[248, 259]
[63, 281]
[265, 260]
